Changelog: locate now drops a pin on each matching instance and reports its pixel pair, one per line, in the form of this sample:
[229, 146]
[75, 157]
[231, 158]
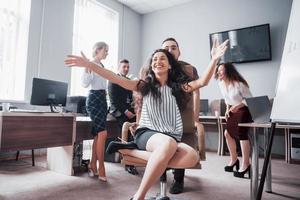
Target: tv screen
[245, 44]
[48, 92]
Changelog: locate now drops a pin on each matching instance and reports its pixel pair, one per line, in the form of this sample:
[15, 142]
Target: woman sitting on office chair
[234, 89]
[165, 90]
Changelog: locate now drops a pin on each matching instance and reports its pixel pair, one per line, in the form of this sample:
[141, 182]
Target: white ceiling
[147, 6]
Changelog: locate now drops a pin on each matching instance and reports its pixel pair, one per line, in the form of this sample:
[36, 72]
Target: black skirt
[96, 107]
[241, 116]
[142, 135]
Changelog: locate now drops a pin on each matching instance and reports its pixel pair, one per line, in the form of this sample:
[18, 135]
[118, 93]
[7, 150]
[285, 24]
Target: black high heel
[115, 146]
[242, 174]
[230, 168]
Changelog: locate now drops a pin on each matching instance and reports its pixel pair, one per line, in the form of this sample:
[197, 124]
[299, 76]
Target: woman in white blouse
[165, 90]
[96, 107]
[235, 89]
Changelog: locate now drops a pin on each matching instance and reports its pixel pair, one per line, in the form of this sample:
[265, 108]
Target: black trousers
[179, 175]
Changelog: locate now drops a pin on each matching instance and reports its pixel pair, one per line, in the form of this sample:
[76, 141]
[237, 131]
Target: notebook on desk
[260, 108]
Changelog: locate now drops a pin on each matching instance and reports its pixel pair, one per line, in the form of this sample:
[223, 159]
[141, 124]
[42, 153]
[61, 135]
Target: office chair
[189, 137]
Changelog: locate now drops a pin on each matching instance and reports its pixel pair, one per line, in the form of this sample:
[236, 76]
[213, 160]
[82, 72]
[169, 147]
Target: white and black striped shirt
[162, 116]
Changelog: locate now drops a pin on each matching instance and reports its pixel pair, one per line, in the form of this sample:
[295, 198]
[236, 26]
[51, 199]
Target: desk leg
[220, 137]
[287, 145]
[268, 187]
[254, 165]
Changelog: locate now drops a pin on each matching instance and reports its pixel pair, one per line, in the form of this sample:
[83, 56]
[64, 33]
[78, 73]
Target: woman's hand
[129, 114]
[217, 50]
[79, 61]
[234, 109]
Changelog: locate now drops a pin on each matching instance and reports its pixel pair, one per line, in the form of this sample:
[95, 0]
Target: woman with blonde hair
[96, 107]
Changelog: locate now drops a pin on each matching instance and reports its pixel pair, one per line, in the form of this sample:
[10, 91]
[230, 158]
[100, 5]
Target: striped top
[162, 116]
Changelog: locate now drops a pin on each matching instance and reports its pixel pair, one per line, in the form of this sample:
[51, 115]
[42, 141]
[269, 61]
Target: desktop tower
[76, 104]
[204, 107]
[222, 107]
[295, 148]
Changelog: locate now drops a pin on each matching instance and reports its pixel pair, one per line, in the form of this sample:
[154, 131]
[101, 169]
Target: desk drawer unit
[35, 131]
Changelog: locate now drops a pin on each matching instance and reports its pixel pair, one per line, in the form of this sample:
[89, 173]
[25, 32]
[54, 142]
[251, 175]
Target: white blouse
[95, 81]
[235, 93]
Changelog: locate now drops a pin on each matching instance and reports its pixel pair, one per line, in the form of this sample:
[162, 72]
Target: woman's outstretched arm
[82, 61]
[217, 52]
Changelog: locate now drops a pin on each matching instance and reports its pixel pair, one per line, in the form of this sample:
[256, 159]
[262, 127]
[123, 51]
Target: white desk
[215, 120]
[255, 153]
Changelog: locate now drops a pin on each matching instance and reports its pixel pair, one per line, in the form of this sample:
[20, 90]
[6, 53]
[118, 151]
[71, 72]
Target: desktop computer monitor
[204, 108]
[48, 92]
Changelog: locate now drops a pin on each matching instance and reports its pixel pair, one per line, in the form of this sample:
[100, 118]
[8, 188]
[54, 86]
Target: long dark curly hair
[231, 73]
[177, 79]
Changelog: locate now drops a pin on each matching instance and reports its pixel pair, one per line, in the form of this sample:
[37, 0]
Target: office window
[93, 22]
[14, 29]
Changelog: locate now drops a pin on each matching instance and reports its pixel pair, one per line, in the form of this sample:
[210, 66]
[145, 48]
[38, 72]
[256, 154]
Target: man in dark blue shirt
[121, 103]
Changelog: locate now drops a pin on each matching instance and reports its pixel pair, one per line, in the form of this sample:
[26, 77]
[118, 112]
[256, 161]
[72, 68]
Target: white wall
[51, 29]
[50, 38]
[191, 24]
[132, 38]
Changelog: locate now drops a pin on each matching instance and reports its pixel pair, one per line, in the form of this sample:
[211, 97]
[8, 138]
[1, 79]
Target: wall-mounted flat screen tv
[245, 44]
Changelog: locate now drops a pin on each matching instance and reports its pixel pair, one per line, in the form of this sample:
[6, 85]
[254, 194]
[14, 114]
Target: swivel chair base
[163, 190]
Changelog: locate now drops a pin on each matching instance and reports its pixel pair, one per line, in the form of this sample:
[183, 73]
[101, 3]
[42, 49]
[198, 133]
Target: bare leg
[93, 164]
[100, 147]
[145, 155]
[231, 147]
[184, 157]
[245, 146]
[125, 129]
[163, 149]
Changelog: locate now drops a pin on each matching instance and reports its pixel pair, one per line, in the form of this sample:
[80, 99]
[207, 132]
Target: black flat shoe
[230, 168]
[176, 187]
[242, 174]
[131, 169]
[115, 146]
